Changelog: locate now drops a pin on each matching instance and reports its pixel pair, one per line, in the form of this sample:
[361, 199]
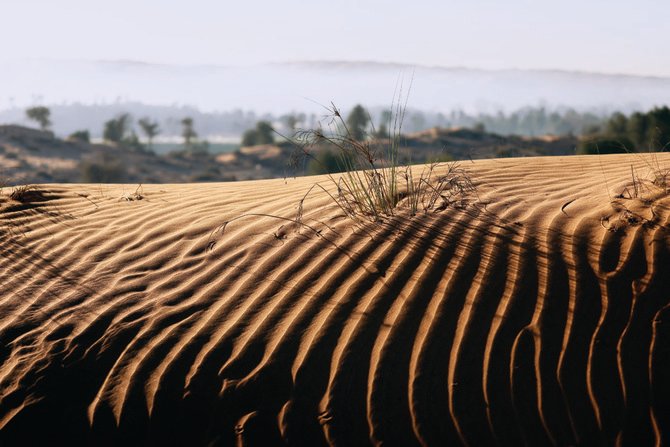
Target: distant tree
[650, 130]
[442, 120]
[357, 122]
[617, 125]
[382, 131]
[605, 146]
[187, 132]
[103, 169]
[327, 162]
[80, 135]
[249, 137]
[262, 134]
[41, 115]
[116, 128]
[591, 130]
[290, 121]
[479, 127]
[638, 128]
[385, 122]
[150, 129]
[418, 121]
[133, 141]
[659, 119]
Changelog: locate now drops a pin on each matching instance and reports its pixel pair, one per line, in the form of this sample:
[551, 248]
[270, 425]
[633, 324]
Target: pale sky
[591, 35]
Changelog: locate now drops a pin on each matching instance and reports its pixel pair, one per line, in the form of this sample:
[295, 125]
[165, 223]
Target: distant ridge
[325, 64]
[363, 65]
[282, 87]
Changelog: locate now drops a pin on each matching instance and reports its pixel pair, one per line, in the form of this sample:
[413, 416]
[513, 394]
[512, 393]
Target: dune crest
[538, 315]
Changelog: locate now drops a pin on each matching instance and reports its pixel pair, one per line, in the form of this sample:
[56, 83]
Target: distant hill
[33, 156]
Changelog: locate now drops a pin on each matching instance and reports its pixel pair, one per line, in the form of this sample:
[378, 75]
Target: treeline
[640, 131]
[70, 118]
[120, 130]
[529, 121]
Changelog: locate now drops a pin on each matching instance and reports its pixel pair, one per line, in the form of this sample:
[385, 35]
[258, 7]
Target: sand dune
[537, 314]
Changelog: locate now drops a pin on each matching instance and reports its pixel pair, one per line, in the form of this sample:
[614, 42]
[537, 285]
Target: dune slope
[537, 314]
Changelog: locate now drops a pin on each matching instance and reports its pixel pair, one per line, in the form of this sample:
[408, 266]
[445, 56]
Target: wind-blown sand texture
[538, 315]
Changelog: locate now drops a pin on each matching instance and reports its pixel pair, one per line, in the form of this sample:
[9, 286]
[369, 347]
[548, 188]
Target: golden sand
[537, 314]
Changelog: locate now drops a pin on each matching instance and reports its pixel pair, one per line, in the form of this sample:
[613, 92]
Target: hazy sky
[594, 35]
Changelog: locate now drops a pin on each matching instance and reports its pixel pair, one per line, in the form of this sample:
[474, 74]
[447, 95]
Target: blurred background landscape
[140, 93]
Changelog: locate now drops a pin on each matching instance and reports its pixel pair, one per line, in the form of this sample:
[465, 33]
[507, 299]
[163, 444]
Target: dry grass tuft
[373, 185]
[26, 194]
[636, 203]
[134, 196]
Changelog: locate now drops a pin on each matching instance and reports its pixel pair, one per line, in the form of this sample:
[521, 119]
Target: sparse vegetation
[373, 186]
[656, 180]
[357, 123]
[597, 145]
[639, 132]
[133, 141]
[24, 193]
[134, 196]
[41, 115]
[326, 162]
[80, 135]
[188, 133]
[104, 169]
[115, 129]
[635, 203]
[150, 130]
[291, 120]
[262, 134]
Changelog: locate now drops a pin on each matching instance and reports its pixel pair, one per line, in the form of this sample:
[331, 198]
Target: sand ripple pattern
[519, 320]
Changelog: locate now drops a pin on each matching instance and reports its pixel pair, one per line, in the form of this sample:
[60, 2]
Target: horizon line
[351, 62]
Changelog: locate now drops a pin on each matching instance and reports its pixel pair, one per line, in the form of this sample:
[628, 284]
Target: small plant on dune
[656, 181]
[660, 174]
[135, 196]
[642, 192]
[372, 184]
[657, 178]
[23, 193]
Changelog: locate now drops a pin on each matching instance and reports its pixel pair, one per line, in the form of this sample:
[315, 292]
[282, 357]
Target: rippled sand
[537, 314]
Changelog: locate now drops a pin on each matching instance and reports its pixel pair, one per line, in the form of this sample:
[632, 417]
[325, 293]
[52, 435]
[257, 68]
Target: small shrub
[373, 183]
[41, 115]
[116, 128]
[80, 135]
[133, 142]
[326, 162]
[660, 174]
[104, 169]
[605, 146]
[212, 174]
[25, 193]
[262, 134]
